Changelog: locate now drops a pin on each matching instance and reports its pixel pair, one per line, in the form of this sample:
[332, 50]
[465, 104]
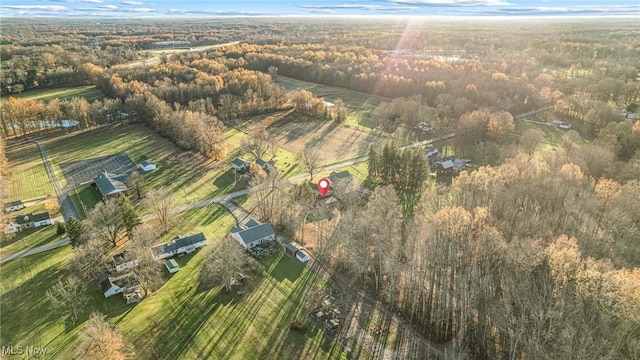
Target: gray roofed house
[240, 165]
[124, 261]
[252, 234]
[147, 165]
[336, 177]
[265, 165]
[27, 221]
[127, 284]
[179, 245]
[13, 206]
[110, 185]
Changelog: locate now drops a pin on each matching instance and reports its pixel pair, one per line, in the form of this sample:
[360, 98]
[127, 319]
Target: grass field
[191, 176]
[359, 105]
[180, 320]
[89, 92]
[29, 239]
[28, 177]
[83, 198]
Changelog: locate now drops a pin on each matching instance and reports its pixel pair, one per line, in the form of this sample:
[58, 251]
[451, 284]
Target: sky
[220, 8]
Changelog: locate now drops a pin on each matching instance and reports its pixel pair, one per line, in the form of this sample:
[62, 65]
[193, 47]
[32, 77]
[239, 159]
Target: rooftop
[110, 184]
[253, 233]
[177, 243]
[13, 203]
[23, 219]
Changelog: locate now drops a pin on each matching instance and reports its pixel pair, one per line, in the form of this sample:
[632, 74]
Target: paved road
[36, 250]
[68, 210]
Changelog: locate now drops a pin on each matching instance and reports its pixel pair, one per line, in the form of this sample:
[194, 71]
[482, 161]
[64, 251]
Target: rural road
[68, 210]
[36, 250]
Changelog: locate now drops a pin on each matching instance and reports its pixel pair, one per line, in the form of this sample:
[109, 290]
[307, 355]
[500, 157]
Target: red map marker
[323, 186]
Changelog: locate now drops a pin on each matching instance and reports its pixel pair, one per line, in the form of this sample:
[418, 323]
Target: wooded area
[531, 254]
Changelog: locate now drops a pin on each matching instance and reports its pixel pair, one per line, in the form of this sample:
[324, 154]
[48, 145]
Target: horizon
[155, 9]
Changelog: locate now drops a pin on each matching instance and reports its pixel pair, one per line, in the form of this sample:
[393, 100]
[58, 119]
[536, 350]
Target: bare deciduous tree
[88, 259]
[161, 201]
[222, 263]
[100, 340]
[106, 221]
[311, 161]
[68, 296]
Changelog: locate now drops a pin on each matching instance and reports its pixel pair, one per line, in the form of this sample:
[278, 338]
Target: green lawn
[84, 199]
[180, 320]
[192, 177]
[29, 239]
[28, 177]
[89, 92]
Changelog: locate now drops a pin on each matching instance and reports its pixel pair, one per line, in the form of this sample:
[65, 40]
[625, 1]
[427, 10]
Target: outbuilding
[147, 165]
[172, 266]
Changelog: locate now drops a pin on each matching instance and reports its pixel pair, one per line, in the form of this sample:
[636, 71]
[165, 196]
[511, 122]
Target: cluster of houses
[445, 164]
[120, 279]
[25, 221]
[242, 168]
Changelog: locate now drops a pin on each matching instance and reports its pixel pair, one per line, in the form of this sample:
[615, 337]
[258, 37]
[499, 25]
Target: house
[29, 221]
[239, 165]
[124, 261]
[172, 266]
[461, 164]
[13, 206]
[265, 165]
[178, 245]
[252, 234]
[147, 165]
[445, 167]
[430, 151]
[556, 122]
[564, 126]
[110, 185]
[296, 250]
[127, 284]
[342, 177]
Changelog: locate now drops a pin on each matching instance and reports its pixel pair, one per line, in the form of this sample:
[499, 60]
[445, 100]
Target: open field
[28, 177]
[180, 320]
[89, 92]
[191, 176]
[359, 105]
[294, 133]
[29, 239]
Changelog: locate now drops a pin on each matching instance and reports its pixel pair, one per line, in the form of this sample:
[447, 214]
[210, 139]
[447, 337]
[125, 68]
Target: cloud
[79, 1]
[107, 7]
[367, 7]
[131, 2]
[585, 10]
[452, 2]
[143, 10]
[36, 7]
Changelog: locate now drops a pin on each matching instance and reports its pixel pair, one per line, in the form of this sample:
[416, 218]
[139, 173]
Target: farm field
[334, 141]
[359, 104]
[28, 177]
[191, 177]
[89, 92]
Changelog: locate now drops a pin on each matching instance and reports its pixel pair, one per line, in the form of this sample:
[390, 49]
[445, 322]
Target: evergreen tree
[76, 231]
[129, 215]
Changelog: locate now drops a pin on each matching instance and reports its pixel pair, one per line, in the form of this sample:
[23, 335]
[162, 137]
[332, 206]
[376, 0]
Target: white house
[240, 165]
[13, 206]
[29, 221]
[179, 245]
[252, 234]
[147, 165]
[431, 151]
[126, 284]
[124, 261]
[172, 266]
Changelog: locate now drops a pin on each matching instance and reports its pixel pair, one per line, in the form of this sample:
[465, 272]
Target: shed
[147, 165]
[172, 266]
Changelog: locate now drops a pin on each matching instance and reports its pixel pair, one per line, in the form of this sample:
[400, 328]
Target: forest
[531, 254]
